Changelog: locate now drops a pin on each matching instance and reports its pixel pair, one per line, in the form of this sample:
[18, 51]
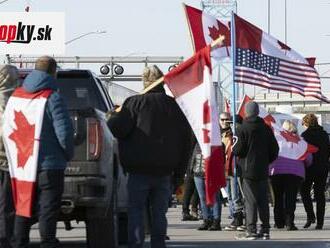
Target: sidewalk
[184, 234]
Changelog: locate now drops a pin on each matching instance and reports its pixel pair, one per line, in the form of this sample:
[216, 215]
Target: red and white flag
[22, 125]
[264, 61]
[205, 28]
[291, 145]
[191, 85]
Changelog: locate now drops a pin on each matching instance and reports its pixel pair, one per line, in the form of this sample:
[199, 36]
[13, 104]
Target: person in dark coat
[190, 196]
[154, 142]
[56, 149]
[317, 173]
[256, 148]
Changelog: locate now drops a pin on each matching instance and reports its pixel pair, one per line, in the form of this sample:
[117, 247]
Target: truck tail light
[94, 143]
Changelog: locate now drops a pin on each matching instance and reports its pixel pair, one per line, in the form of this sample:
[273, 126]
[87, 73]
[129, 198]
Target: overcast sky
[158, 27]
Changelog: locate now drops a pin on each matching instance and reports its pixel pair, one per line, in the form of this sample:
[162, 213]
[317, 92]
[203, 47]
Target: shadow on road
[251, 244]
[219, 244]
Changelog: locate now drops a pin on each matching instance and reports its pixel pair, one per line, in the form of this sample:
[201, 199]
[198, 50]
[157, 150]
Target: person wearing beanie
[256, 147]
[155, 142]
[8, 83]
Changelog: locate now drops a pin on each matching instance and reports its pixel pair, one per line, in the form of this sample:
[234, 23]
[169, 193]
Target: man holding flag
[38, 136]
[155, 141]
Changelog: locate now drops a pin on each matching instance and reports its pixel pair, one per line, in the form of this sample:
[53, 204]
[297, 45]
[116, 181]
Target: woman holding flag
[286, 177]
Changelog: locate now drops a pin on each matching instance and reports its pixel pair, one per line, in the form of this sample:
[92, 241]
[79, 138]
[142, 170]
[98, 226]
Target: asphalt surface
[185, 235]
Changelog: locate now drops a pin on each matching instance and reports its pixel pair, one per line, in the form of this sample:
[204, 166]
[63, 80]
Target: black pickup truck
[95, 185]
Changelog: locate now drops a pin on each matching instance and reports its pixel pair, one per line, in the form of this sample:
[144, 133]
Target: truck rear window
[80, 91]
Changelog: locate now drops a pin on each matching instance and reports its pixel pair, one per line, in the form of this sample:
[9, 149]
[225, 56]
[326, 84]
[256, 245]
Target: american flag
[262, 60]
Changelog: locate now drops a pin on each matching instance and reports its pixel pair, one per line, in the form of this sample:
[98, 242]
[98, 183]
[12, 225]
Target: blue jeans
[140, 189]
[234, 196]
[213, 212]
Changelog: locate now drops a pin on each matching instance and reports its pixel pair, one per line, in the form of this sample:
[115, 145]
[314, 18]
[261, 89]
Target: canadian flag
[205, 28]
[191, 85]
[291, 145]
[22, 125]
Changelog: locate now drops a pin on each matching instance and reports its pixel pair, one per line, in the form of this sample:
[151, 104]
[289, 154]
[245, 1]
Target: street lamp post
[286, 22]
[269, 16]
[86, 34]
[4, 1]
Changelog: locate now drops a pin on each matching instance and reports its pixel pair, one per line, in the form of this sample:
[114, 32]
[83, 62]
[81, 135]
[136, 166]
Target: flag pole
[214, 44]
[233, 53]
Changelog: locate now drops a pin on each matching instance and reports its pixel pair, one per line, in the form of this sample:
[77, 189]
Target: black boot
[205, 226]
[215, 225]
[187, 217]
[238, 221]
[309, 222]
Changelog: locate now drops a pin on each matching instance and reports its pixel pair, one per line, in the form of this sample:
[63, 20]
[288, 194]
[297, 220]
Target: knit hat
[8, 78]
[251, 109]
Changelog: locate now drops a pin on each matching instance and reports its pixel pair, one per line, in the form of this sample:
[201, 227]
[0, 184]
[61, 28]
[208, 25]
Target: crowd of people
[157, 150]
[255, 173]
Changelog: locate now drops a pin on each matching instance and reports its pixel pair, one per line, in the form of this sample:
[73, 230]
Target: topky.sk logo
[32, 33]
[22, 33]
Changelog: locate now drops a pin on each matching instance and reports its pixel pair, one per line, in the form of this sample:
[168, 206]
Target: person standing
[256, 148]
[233, 189]
[8, 83]
[286, 178]
[190, 197]
[317, 173]
[211, 214]
[56, 148]
[155, 141]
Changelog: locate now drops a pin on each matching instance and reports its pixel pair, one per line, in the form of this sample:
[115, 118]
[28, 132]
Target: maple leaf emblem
[214, 32]
[283, 46]
[290, 137]
[23, 137]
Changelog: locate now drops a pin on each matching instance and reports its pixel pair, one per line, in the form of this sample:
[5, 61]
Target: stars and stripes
[264, 61]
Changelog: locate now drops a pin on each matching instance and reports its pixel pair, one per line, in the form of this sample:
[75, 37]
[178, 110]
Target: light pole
[86, 34]
[286, 22]
[268, 16]
[4, 1]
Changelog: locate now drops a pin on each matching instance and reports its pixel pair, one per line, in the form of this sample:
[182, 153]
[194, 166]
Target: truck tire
[102, 226]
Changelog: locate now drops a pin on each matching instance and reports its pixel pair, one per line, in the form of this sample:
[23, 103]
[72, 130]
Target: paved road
[185, 235]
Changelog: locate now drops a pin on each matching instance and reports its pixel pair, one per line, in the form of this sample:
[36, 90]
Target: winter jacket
[198, 163]
[290, 166]
[319, 138]
[227, 140]
[56, 138]
[256, 148]
[8, 83]
[153, 134]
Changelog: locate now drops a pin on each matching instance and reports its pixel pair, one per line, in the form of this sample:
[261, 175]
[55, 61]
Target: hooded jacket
[153, 134]
[56, 138]
[8, 83]
[256, 148]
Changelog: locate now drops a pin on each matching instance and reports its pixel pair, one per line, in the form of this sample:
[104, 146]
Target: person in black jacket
[256, 148]
[154, 142]
[317, 173]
